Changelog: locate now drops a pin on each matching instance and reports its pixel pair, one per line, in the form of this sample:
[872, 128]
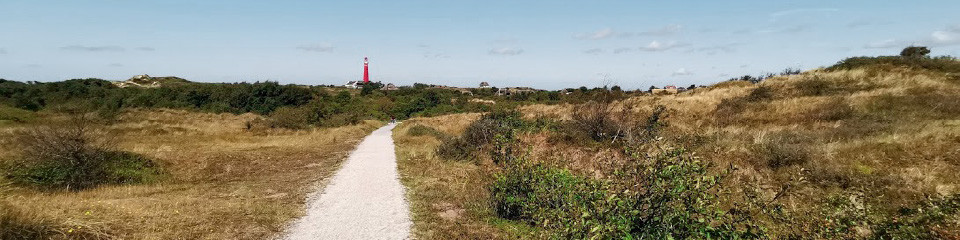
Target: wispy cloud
[864, 23]
[506, 51]
[81, 48]
[115, 65]
[664, 31]
[3, 51]
[724, 48]
[318, 47]
[593, 51]
[622, 50]
[788, 29]
[946, 37]
[600, 34]
[33, 65]
[657, 46]
[435, 56]
[607, 33]
[883, 44]
[777, 16]
[681, 72]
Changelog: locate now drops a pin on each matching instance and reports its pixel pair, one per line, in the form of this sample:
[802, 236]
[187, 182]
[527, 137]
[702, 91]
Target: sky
[543, 44]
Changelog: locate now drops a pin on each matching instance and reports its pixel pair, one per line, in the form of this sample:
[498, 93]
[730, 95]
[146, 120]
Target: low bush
[595, 120]
[833, 110]
[815, 86]
[15, 114]
[759, 94]
[943, 63]
[421, 130]
[290, 117]
[75, 157]
[669, 196]
[456, 148]
[481, 134]
[781, 150]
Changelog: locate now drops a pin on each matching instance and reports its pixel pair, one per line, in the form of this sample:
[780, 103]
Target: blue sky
[543, 44]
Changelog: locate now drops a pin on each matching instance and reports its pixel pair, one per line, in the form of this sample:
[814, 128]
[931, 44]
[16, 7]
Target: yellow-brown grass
[447, 198]
[891, 134]
[223, 181]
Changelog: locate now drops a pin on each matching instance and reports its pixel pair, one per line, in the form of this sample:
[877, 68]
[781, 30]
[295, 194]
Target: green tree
[915, 52]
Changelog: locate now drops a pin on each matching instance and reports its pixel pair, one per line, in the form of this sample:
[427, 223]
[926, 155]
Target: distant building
[665, 90]
[353, 84]
[507, 91]
[484, 85]
[389, 87]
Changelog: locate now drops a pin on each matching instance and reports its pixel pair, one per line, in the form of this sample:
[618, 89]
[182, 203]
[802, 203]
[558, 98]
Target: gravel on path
[364, 200]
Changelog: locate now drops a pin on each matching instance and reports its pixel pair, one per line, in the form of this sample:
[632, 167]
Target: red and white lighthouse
[366, 71]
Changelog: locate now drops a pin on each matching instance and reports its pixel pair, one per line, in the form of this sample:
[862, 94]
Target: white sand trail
[364, 200]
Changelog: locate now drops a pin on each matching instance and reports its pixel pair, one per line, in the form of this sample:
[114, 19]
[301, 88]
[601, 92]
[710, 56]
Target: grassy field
[222, 181]
[868, 152]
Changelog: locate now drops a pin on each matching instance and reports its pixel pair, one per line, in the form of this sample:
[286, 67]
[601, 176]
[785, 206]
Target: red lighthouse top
[366, 71]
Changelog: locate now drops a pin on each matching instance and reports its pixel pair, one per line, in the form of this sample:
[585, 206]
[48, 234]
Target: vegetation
[859, 150]
[74, 156]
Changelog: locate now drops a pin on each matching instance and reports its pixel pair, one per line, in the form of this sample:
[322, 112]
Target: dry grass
[890, 134]
[224, 182]
[447, 198]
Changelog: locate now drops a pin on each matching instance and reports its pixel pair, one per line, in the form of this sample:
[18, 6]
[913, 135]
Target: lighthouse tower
[366, 71]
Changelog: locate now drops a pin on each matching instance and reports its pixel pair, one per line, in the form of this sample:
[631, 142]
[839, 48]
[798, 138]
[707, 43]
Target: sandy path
[364, 200]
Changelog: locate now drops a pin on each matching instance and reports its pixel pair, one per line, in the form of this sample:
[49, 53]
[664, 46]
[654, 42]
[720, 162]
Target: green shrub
[456, 148]
[15, 114]
[816, 86]
[932, 219]
[290, 117]
[74, 157]
[421, 130]
[942, 64]
[670, 196]
[781, 150]
[596, 120]
[759, 94]
[492, 127]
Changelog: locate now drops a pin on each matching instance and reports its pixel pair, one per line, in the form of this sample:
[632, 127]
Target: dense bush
[482, 133]
[15, 114]
[781, 150]
[75, 157]
[943, 63]
[596, 121]
[668, 196]
[421, 130]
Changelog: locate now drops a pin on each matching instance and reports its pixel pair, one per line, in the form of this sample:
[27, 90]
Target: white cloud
[889, 43]
[319, 47]
[657, 46]
[622, 50]
[506, 51]
[593, 51]
[942, 38]
[606, 33]
[93, 48]
[664, 31]
[601, 34]
[681, 72]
